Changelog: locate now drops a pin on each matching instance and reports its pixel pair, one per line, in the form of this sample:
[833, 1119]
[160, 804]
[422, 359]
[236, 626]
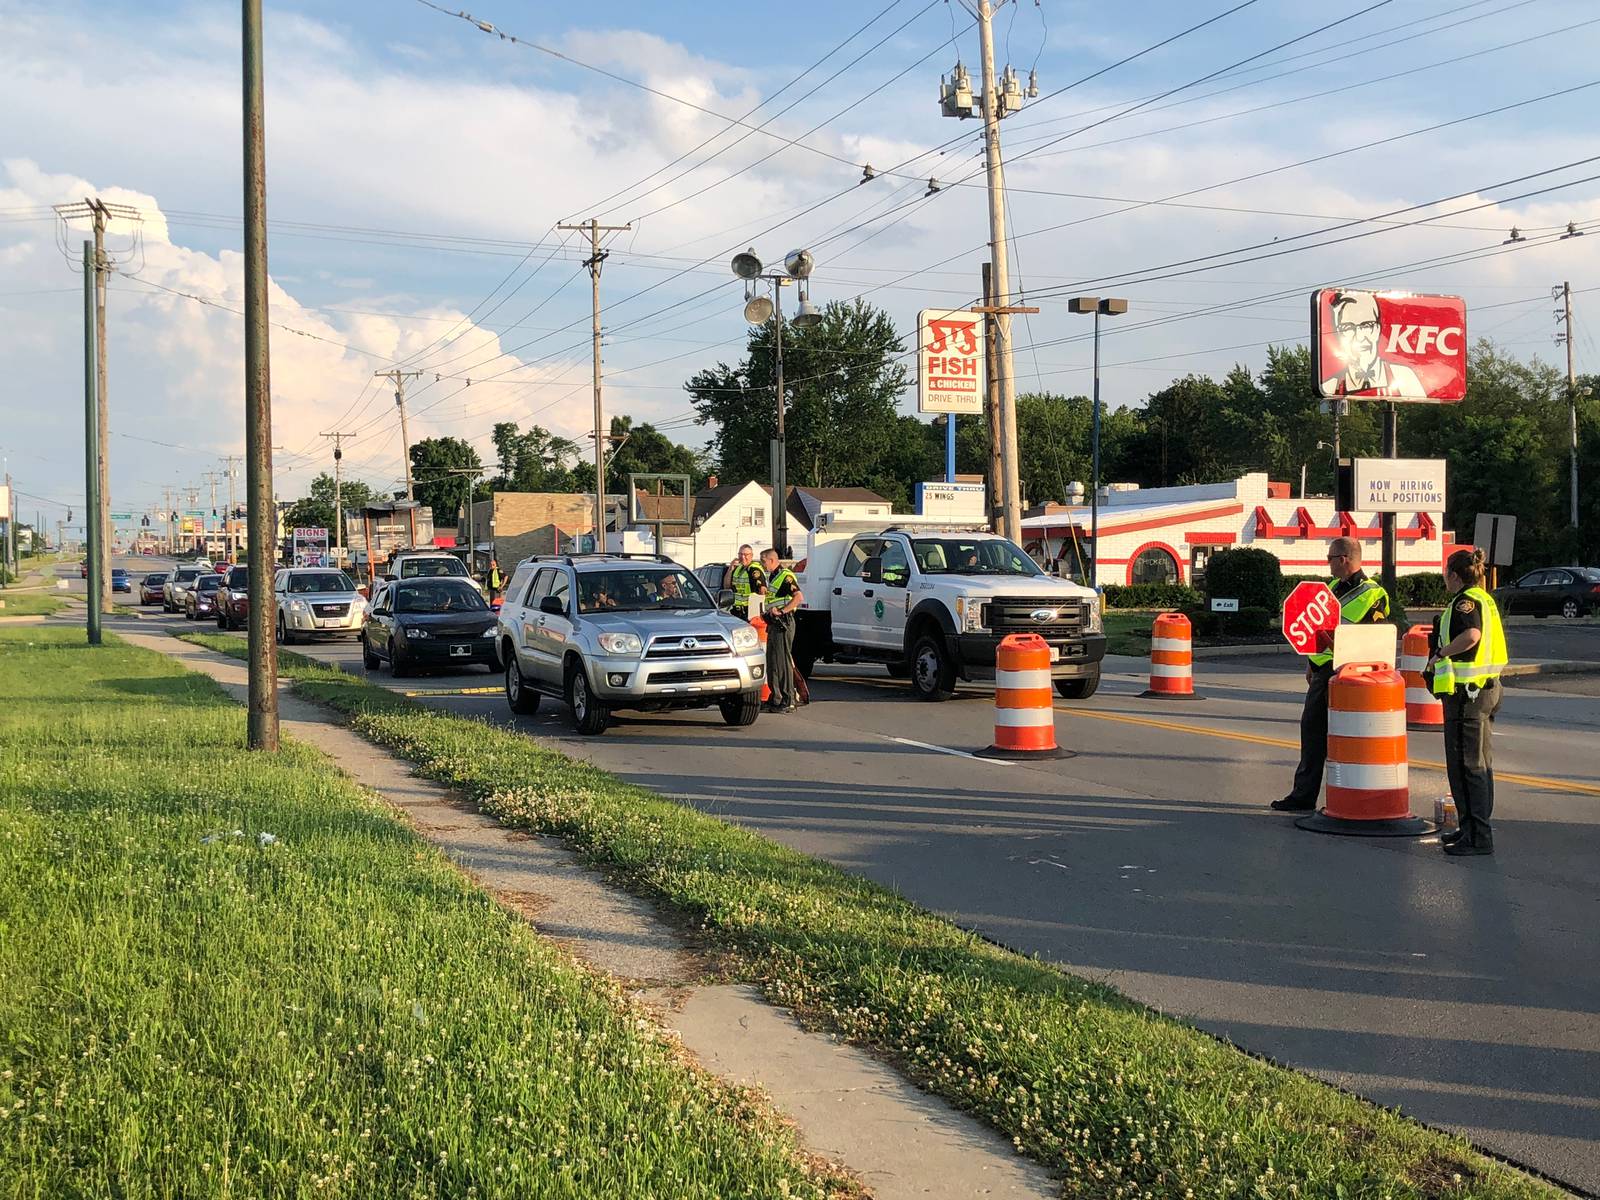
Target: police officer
[1362, 601]
[744, 576]
[1466, 672]
[783, 596]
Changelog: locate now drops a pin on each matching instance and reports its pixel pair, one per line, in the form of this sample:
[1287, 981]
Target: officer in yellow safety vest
[1466, 666]
[782, 597]
[744, 575]
[1362, 601]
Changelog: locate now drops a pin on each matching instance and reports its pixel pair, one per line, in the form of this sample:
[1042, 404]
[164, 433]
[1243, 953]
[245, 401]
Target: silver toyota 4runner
[609, 631]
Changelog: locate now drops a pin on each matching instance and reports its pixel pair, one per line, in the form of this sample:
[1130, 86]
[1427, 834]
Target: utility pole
[338, 482]
[1566, 335]
[262, 723]
[996, 495]
[231, 463]
[100, 513]
[601, 434]
[91, 448]
[398, 378]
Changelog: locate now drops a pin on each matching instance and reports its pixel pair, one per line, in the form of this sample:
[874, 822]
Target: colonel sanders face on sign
[1358, 322]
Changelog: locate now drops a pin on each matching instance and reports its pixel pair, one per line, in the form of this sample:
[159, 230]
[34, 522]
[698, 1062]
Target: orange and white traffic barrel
[1171, 658]
[1369, 793]
[759, 624]
[1424, 710]
[1024, 700]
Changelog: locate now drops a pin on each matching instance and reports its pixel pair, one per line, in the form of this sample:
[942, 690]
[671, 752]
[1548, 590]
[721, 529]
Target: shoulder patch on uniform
[1464, 606]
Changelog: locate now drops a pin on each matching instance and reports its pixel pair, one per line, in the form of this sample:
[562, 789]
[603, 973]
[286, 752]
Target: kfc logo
[1389, 345]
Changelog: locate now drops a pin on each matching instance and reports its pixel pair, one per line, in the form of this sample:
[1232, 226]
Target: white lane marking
[995, 762]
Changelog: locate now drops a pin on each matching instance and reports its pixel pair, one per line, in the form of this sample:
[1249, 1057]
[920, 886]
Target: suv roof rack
[573, 560]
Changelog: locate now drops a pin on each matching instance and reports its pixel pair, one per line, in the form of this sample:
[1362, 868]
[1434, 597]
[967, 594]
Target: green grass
[29, 604]
[1128, 631]
[340, 1013]
[1116, 1098]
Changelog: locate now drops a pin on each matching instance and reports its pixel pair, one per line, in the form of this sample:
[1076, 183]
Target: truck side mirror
[872, 570]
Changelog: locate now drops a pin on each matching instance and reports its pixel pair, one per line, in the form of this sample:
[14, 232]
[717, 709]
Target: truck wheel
[1078, 689]
[521, 698]
[899, 670]
[740, 710]
[589, 716]
[933, 674]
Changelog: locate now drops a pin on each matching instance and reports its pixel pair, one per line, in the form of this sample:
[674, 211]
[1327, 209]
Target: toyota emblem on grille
[1042, 615]
[690, 643]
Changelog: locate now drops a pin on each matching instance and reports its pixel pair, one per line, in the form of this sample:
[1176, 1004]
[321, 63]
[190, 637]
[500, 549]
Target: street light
[1112, 308]
[758, 310]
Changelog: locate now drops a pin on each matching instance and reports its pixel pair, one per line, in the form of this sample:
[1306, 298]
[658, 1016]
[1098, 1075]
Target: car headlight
[299, 606]
[969, 614]
[413, 632]
[746, 640]
[1096, 621]
[489, 632]
[620, 643]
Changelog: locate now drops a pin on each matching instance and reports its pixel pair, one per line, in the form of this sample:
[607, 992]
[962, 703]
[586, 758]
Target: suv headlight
[746, 640]
[299, 606]
[412, 631]
[969, 614]
[620, 643]
[1096, 621]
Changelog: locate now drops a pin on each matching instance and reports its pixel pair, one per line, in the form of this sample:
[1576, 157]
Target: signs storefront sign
[1388, 345]
[949, 361]
[311, 547]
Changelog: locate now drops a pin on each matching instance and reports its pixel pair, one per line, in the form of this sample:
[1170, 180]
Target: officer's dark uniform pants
[780, 660]
[1313, 738]
[1468, 759]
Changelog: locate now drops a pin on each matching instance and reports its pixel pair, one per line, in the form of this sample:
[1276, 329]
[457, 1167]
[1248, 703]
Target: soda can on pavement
[1444, 814]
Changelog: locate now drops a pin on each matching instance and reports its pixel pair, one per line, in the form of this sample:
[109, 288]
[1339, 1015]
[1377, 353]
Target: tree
[433, 461]
[315, 510]
[642, 449]
[842, 379]
[534, 460]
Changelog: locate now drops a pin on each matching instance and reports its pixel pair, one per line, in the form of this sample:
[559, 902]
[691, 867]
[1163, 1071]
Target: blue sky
[415, 162]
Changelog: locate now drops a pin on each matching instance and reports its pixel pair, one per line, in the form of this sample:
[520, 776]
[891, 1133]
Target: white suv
[317, 602]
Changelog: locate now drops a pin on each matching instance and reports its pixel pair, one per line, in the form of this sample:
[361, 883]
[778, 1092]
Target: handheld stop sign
[1309, 610]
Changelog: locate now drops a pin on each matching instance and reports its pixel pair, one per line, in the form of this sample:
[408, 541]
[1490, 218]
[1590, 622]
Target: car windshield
[321, 581]
[118, 573]
[640, 589]
[186, 575]
[239, 577]
[209, 583]
[437, 597]
[152, 580]
[972, 556]
[422, 568]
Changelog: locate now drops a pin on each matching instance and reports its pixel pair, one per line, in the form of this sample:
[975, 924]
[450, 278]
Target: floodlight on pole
[746, 265]
[799, 263]
[758, 310]
[1108, 306]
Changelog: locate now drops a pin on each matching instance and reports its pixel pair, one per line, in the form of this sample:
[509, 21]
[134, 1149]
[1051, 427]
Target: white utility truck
[931, 602]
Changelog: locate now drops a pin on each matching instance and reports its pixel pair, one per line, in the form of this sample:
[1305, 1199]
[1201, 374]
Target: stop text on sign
[950, 361]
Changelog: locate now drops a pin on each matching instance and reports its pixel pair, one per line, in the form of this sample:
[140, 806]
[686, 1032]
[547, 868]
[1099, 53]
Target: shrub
[1423, 590]
[1150, 595]
[1251, 621]
[1286, 584]
[1245, 574]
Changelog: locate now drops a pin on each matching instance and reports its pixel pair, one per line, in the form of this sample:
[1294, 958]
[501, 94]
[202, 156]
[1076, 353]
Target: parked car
[83, 569]
[233, 599]
[178, 583]
[150, 588]
[121, 581]
[425, 564]
[610, 631]
[428, 622]
[200, 601]
[1570, 591]
[316, 602]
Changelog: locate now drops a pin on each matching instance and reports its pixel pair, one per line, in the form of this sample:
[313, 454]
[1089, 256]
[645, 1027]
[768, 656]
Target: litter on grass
[263, 838]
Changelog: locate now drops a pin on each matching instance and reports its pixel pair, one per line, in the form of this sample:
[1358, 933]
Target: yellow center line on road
[472, 691]
[1538, 781]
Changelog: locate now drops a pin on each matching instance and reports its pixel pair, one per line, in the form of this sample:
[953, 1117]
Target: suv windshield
[441, 597]
[208, 583]
[640, 589]
[971, 556]
[321, 581]
[239, 578]
[444, 565]
[186, 575]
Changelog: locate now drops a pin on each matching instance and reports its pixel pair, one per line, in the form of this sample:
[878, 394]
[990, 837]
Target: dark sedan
[233, 599]
[1570, 591]
[200, 601]
[439, 622]
[121, 581]
[150, 588]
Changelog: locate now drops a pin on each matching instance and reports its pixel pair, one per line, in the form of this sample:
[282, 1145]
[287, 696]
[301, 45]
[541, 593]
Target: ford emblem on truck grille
[1042, 615]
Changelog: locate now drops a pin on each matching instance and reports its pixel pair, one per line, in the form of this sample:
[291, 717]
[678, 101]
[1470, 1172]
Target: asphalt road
[1467, 992]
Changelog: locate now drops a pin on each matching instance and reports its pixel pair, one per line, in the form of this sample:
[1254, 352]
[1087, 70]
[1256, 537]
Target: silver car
[610, 631]
[175, 591]
[317, 602]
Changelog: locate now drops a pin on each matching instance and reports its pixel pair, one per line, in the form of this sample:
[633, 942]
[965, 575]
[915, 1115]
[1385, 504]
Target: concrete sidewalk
[847, 1106]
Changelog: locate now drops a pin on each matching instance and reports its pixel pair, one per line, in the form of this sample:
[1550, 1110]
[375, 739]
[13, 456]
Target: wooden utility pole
[338, 482]
[398, 378]
[991, 387]
[91, 449]
[262, 724]
[1572, 399]
[231, 462]
[601, 434]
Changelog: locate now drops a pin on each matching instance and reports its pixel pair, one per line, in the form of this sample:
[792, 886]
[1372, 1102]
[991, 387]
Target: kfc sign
[1389, 345]
[949, 361]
